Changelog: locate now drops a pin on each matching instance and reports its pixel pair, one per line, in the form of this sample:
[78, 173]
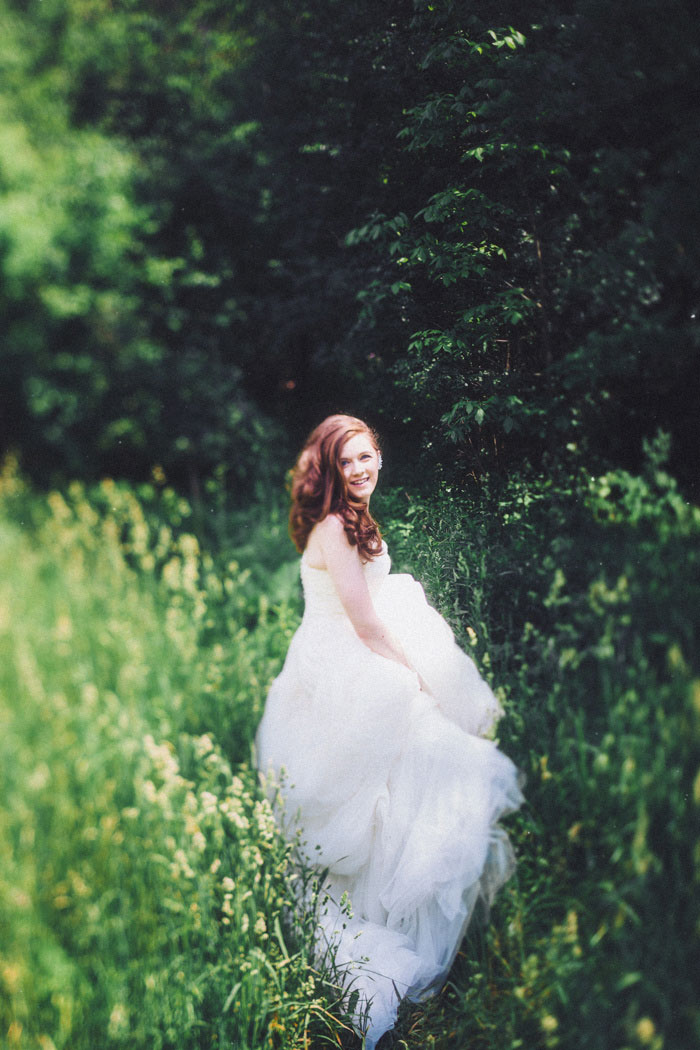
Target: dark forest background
[220, 221]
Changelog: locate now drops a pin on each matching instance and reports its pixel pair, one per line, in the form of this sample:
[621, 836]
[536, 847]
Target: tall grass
[145, 895]
[581, 600]
[144, 890]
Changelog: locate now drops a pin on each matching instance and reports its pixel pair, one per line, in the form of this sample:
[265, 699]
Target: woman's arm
[345, 568]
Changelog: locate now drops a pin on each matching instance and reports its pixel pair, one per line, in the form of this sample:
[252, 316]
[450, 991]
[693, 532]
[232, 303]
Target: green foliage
[113, 353]
[545, 278]
[66, 225]
[580, 599]
[478, 225]
[144, 890]
[134, 668]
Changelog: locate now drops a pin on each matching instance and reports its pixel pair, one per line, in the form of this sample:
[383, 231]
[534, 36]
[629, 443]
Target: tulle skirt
[397, 793]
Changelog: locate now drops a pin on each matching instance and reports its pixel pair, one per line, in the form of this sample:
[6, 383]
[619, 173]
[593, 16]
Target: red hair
[319, 488]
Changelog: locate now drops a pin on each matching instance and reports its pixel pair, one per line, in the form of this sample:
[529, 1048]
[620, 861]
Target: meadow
[145, 894]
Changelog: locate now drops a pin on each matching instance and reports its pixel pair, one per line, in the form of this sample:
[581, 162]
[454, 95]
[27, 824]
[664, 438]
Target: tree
[120, 298]
[549, 275]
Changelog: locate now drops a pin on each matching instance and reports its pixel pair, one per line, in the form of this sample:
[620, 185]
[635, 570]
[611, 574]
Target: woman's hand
[345, 569]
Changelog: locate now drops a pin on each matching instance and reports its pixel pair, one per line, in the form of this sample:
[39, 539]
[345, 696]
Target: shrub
[579, 599]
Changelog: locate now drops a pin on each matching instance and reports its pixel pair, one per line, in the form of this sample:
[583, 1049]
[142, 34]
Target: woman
[375, 729]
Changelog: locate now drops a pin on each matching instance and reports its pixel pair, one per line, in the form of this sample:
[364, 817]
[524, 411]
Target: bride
[376, 729]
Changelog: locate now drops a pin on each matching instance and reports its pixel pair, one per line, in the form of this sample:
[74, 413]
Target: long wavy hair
[318, 487]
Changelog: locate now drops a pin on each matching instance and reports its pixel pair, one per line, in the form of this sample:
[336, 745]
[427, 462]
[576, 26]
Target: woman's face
[359, 464]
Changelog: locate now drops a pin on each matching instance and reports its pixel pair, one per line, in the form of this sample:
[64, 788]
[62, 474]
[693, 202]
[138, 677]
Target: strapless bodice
[320, 595]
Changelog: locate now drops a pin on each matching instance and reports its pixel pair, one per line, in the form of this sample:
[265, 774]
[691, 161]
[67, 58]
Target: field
[144, 891]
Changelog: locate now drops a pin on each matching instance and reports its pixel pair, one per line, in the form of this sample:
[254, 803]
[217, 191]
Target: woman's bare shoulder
[330, 526]
[326, 537]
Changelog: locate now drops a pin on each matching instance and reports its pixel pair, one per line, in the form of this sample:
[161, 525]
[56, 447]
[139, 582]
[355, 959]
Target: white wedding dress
[396, 791]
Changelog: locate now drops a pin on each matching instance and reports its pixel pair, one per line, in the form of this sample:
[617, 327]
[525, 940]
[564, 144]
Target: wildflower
[346, 905]
[19, 898]
[164, 541]
[209, 802]
[189, 545]
[181, 865]
[59, 507]
[203, 745]
[14, 1033]
[571, 926]
[646, 1030]
[190, 572]
[40, 777]
[89, 694]
[11, 976]
[171, 574]
[63, 630]
[695, 690]
[230, 810]
[549, 1023]
[139, 537]
[78, 884]
[118, 1020]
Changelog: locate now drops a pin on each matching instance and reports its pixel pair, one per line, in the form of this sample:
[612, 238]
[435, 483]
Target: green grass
[581, 600]
[144, 891]
[142, 882]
